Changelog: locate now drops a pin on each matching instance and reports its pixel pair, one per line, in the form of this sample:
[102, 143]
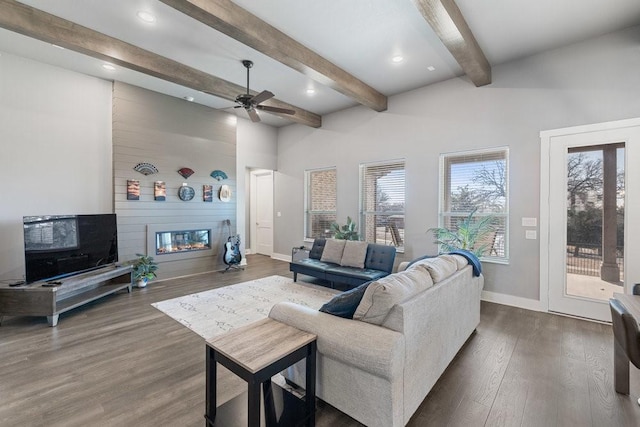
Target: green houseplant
[144, 270]
[349, 231]
[474, 235]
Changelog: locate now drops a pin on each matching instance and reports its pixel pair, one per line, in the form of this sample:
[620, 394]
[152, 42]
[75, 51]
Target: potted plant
[144, 269]
[472, 234]
[349, 231]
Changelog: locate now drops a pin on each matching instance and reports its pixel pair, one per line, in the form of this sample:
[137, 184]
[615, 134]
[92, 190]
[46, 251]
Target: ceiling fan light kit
[252, 103]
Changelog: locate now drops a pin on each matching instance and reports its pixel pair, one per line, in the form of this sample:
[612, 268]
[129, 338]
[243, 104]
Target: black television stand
[54, 297]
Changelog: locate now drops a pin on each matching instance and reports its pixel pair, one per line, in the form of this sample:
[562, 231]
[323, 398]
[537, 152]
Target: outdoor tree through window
[477, 181]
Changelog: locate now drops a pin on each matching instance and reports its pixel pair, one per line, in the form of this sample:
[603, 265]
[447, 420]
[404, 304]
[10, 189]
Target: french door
[590, 205]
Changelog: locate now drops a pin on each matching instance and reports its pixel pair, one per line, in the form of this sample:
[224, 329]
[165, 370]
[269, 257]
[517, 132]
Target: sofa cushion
[381, 295]
[471, 258]
[317, 248]
[333, 250]
[354, 254]
[439, 267]
[344, 304]
[461, 262]
[315, 264]
[380, 257]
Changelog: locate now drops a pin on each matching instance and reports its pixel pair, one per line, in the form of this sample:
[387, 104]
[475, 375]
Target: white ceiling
[360, 36]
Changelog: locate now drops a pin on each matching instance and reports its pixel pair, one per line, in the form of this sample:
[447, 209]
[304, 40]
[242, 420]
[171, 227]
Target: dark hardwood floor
[121, 362]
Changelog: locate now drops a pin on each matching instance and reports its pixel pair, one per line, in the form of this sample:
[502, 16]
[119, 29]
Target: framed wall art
[207, 193]
[133, 189]
[159, 191]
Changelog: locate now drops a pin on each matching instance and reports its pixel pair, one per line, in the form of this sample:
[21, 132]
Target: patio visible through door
[591, 201]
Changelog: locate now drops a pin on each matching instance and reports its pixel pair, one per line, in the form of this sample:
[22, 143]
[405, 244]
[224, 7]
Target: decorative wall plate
[145, 168]
[186, 193]
[218, 175]
[225, 193]
[186, 172]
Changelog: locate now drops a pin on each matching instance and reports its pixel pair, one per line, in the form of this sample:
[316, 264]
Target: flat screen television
[57, 246]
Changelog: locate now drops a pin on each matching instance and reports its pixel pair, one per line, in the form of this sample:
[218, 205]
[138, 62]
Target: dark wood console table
[35, 299]
[255, 353]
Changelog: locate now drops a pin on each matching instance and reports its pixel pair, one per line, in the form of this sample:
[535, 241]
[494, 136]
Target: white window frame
[307, 195]
[445, 191]
[364, 212]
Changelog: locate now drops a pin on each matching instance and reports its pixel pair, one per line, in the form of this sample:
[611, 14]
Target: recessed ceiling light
[431, 68]
[146, 17]
[311, 91]
[189, 98]
[108, 67]
[397, 59]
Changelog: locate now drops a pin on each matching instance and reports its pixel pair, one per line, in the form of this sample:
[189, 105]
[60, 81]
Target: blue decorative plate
[186, 193]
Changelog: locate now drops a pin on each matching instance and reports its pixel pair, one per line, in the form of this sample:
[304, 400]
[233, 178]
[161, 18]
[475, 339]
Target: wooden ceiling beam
[23, 19]
[447, 21]
[241, 25]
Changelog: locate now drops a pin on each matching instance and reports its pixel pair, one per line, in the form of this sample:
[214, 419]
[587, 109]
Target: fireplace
[174, 242]
[171, 242]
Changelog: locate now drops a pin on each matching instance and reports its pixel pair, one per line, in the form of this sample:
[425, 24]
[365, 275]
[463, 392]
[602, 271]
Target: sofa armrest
[371, 348]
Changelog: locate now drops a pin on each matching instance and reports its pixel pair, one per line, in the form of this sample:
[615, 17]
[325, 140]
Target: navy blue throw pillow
[346, 303]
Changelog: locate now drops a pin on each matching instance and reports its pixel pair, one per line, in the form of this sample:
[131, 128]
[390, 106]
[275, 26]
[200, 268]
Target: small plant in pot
[349, 231]
[144, 269]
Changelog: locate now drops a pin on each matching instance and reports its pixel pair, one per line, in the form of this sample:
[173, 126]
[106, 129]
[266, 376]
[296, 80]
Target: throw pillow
[461, 262]
[345, 303]
[440, 268]
[354, 254]
[333, 251]
[381, 295]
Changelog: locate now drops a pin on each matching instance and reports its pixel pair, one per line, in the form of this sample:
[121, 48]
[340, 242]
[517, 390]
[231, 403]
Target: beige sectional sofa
[380, 368]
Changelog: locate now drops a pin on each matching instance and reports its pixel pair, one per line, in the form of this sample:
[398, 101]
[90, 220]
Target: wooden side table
[255, 353]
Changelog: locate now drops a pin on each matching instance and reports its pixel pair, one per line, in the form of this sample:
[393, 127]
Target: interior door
[593, 227]
[264, 213]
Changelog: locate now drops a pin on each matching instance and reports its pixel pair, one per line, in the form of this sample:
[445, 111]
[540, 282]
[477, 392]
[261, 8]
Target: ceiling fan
[252, 103]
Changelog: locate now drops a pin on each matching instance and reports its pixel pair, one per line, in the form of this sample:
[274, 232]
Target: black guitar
[232, 255]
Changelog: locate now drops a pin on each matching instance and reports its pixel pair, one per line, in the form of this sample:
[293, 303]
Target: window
[477, 180]
[320, 202]
[382, 203]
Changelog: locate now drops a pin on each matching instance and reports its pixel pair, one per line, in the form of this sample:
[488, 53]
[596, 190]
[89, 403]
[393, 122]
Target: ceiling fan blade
[253, 115]
[275, 110]
[262, 96]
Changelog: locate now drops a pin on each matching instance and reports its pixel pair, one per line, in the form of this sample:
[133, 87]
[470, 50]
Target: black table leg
[269, 405]
[210, 387]
[310, 395]
[253, 408]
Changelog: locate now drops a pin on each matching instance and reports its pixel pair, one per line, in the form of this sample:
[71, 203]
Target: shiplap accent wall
[171, 133]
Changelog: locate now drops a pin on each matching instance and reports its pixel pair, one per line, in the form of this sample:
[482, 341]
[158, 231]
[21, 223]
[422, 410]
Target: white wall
[55, 149]
[257, 149]
[594, 81]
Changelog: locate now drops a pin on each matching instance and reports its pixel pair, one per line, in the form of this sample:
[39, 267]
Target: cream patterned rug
[217, 311]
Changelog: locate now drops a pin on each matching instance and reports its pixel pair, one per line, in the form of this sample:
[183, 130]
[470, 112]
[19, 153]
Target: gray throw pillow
[384, 293]
[354, 254]
[333, 251]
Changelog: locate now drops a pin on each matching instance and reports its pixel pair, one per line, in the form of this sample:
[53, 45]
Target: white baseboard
[281, 257]
[504, 299]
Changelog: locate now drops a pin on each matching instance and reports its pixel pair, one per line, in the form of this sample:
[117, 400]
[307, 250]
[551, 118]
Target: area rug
[214, 312]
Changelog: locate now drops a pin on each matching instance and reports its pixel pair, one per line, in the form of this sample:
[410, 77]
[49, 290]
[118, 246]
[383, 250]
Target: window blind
[320, 202]
[477, 181]
[382, 202]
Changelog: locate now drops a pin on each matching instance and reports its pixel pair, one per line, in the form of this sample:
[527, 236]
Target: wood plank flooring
[121, 362]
